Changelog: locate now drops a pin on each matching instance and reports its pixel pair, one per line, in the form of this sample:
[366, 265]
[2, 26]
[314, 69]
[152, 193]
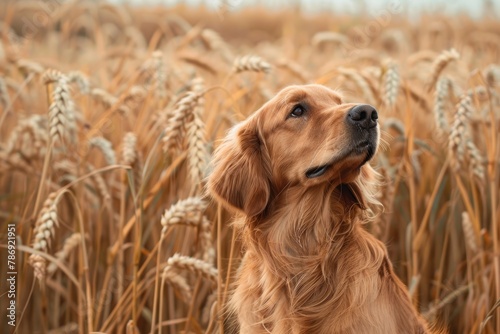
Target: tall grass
[108, 116]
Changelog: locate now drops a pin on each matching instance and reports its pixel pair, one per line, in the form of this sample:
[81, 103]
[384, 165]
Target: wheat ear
[458, 132]
[159, 75]
[28, 66]
[109, 100]
[440, 63]
[81, 80]
[62, 124]
[178, 282]
[69, 244]
[197, 149]
[392, 82]
[4, 93]
[440, 100]
[29, 138]
[360, 81]
[43, 233]
[105, 147]
[179, 262]
[251, 63]
[475, 160]
[216, 43]
[469, 235]
[176, 125]
[129, 149]
[324, 37]
[492, 75]
[186, 211]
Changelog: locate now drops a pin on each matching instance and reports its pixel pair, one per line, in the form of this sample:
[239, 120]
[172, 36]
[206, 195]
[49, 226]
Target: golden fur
[309, 266]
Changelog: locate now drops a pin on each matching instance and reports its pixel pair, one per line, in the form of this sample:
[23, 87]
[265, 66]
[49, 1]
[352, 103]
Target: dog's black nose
[364, 116]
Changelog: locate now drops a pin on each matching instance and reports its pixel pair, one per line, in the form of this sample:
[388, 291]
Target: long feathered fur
[309, 265]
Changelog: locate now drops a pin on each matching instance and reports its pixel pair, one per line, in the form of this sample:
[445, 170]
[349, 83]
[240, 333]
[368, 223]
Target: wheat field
[109, 115]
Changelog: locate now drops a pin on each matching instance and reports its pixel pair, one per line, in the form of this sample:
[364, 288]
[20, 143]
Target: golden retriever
[297, 172]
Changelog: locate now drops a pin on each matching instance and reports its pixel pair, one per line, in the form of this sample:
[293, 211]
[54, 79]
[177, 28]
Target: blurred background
[474, 8]
[110, 111]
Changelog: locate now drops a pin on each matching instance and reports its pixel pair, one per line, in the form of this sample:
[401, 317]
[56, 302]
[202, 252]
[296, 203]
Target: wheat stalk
[131, 328]
[440, 63]
[251, 63]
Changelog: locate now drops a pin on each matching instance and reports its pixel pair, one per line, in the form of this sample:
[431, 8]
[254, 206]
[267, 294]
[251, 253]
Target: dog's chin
[345, 165]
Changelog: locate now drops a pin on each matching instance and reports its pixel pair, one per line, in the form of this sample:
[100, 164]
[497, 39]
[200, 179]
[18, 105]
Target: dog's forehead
[311, 93]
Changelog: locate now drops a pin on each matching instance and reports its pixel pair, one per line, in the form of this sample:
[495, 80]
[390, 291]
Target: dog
[297, 173]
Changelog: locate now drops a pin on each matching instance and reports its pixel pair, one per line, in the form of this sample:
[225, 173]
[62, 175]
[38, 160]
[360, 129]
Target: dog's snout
[363, 115]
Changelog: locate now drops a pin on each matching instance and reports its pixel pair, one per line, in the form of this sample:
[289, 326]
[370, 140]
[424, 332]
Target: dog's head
[304, 136]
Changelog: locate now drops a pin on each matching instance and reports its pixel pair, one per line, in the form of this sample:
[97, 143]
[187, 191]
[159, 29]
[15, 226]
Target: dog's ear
[240, 177]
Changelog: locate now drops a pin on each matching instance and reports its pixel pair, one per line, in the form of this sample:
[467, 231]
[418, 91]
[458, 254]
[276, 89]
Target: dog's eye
[297, 111]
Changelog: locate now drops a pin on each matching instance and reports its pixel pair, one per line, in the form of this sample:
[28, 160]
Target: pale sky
[473, 7]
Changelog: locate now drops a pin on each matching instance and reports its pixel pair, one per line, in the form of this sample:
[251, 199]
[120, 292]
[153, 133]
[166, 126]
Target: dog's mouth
[317, 171]
[366, 147]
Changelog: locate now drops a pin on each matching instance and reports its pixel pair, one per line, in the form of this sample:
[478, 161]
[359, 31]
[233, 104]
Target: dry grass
[108, 116]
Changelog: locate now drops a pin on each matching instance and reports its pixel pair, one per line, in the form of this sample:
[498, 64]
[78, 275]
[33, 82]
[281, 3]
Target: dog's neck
[307, 227]
[309, 252]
